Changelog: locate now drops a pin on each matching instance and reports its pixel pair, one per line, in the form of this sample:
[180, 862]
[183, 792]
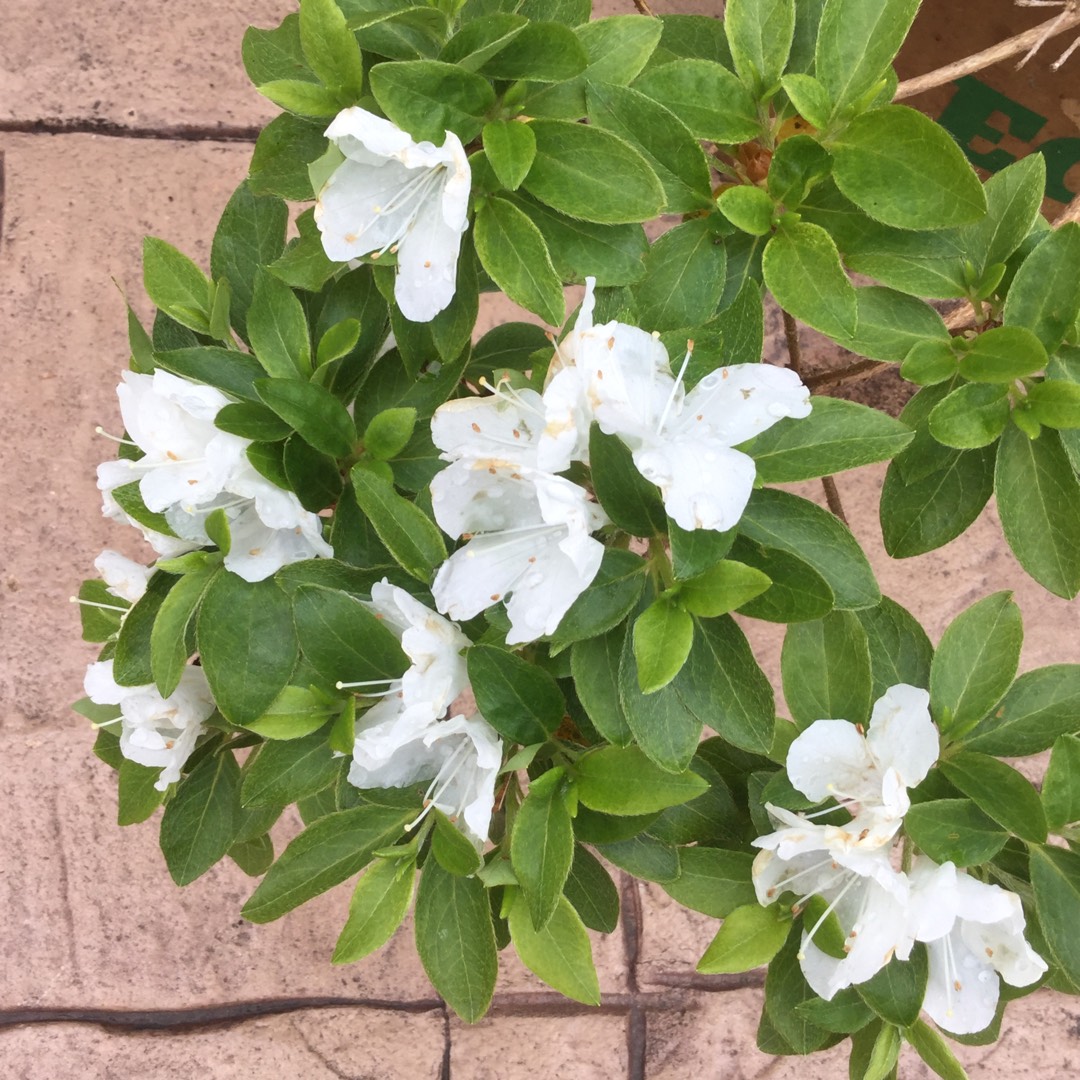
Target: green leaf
[748, 208]
[797, 592]
[826, 670]
[303, 98]
[278, 330]
[592, 892]
[519, 700]
[954, 830]
[330, 47]
[837, 435]
[170, 640]
[313, 411]
[1038, 498]
[714, 881]
[785, 991]
[275, 54]
[706, 97]
[1000, 792]
[560, 954]
[542, 846]
[892, 324]
[856, 43]
[132, 664]
[900, 651]
[304, 264]
[252, 421]
[378, 907]
[727, 586]
[1055, 877]
[1003, 354]
[975, 663]
[874, 1053]
[201, 821]
[595, 667]
[1014, 198]
[613, 254]
[510, 149]
[777, 519]
[760, 34]
[1045, 294]
[342, 639]
[138, 797]
[513, 252]
[973, 415]
[905, 170]
[1039, 706]
[247, 645]
[294, 713]
[283, 772]
[250, 234]
[685, 277]
[844, 1014]
[541, 52]
[253, 856]
[896, 992]
[591, 174]
[1056, 404]
[427, 98]
[643, 856]
[629, 499]
[935, 1051]
[283, 151]
[408, 533]
[99, 624]
[750, 937]
[722, 686]
[325, 854]
[926, 513]
[663, 635]
[674, 154]
[694, 551]
[803, 271]
[621, 781]
[389, 432]
[234, 372]
[799, 163]
[176, 285]
[452, 849]
[456, 940]
[610, 597]
[1061, 785]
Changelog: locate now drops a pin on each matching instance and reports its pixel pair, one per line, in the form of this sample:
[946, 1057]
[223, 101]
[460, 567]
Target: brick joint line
[55, 125]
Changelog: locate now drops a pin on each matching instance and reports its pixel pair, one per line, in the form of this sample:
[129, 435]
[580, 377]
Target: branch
[1028, 41]
[643, 8]
[1070, 213]
[852, 373]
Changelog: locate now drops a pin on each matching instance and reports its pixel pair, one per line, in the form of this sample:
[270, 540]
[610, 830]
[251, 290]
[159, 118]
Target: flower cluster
[974, 931]
[426, 727]
[188, 468]
[528, 528]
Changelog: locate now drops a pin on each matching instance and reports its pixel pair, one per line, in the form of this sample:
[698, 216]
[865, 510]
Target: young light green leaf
[663, 635]
[750, 937]
[759, 33]
[727, 586]
[972, 416]
[510, 149]
[294, 713]
[560, 954]
[905, 170]
[378, 906]
[1003, 354]
[803, 271]
[935, 1051]
[625, 782]
[330, 47]
[452, 849]
[389, 432]
[748, 208]
[200, 823]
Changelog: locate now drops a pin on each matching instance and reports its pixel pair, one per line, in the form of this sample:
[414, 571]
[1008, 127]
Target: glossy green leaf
[662, 636]
[378, 907]
[826, 670]
[201, 820]
[714, 881]
[797, 592]
[896, 992]
[610, 597]
[594, 663]
[1045, 294]
[1055, 878]
[1003, 354]
[284, 772]
[542, 846]
[685, 277]
[294, 713]
[176, 285]
[560, 954]
[759, 33]
[427, 98]
[954, 830]
[314, 412]
[935, 1051]
[330, 47]
[520, 700]
[1061, 785]
[900, 651]
[278, 330]
[1000, 792]
[137, 796]
[592, 892]
[621, 781]
[629, 499]
[171, 641]
[972, 416]
[750, 937]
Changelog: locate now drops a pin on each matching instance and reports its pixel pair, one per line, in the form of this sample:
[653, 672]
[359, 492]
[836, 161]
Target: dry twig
[643, 7]
[1028, 41]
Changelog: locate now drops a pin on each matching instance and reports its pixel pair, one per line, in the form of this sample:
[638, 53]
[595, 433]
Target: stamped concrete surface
[109, 970]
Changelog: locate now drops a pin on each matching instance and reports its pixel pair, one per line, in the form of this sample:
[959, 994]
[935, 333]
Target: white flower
[157, 732]
[391, 193]
[619, 376]
[123, 577]
[867, 896]
[974, 934]
[461, 756]
[529, 538]
[870, 773]
[185, 457]
[168, 547]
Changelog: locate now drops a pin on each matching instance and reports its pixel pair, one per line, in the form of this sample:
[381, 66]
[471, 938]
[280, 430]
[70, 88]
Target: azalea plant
[477, 606]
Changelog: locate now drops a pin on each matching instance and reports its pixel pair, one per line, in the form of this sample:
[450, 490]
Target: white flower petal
[902, 736]
[831, 758]
[502, 427]
[962, 989]
[123, 577]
